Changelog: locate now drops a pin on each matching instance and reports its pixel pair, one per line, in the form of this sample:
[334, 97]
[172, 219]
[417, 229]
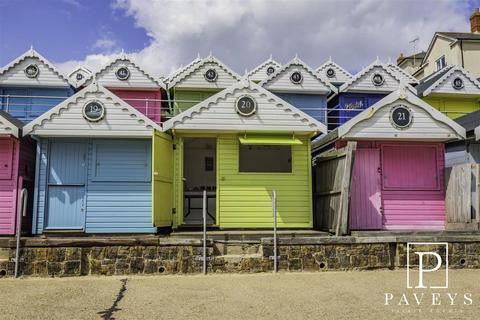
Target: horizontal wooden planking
[196, 79]
[8, 185]
[365, 83]
[310, 82]
[46, 77]
[245, 199]
[137, 78]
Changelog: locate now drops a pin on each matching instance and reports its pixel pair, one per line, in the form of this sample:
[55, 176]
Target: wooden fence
[462, 201]
[332, 174]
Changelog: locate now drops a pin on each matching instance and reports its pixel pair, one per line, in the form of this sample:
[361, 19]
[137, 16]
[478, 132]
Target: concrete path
[330, 295]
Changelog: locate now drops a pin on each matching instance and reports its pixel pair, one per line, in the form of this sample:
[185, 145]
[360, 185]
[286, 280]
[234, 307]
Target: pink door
[365, 201]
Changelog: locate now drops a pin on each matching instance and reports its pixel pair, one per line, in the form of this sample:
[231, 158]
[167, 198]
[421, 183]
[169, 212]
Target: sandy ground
[330, 295]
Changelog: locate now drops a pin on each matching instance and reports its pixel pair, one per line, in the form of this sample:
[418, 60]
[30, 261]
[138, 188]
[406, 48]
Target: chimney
[475, 21]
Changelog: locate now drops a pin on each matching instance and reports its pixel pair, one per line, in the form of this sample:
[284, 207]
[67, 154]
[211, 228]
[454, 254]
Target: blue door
[66, 185]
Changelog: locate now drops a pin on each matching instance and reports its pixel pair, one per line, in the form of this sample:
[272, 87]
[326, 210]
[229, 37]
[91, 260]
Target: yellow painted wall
[471, 57]
[456, 107]
[442, 47]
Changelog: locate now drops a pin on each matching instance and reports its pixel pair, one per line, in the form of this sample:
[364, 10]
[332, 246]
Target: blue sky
[162, 35]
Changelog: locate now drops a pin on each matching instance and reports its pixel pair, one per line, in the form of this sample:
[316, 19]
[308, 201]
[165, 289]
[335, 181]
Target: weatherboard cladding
[137, 79]
[313, 105]
[194, 78]
[363, 83]
[402, 74]
[86, 73]
[217, 113]
[259, 73]
[471, 86]
[9, 158]
[341, 75]
[9, 125]
[311, 83]
[66, 119]
[118, 186]
[47, 77]
[244, 200]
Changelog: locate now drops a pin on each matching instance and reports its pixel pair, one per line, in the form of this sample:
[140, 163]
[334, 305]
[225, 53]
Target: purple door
[365, 201]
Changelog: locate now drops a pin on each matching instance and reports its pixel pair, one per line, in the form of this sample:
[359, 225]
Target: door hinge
[174, 210]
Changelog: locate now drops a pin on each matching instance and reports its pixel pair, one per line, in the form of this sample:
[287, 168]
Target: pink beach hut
[17, 166]
[398, 171]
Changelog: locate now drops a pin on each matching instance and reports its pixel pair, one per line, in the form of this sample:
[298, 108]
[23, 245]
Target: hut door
[6, 157]
[365, 213]
[66, 186]
[162, 187]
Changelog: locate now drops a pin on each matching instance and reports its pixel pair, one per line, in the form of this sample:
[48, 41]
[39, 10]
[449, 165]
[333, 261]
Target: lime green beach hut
[239, 145]
[451, 90]
[197, 81]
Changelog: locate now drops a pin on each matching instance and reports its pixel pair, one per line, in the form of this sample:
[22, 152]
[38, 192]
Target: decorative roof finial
[330, 59]
[271, 57]
[389, 61]
[198, 55]
[377, 61]
[123, 55]
[402, 91]
[245, 74]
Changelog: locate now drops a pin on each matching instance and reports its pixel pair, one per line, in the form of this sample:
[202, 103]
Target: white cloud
[105, 44]
[244, 33]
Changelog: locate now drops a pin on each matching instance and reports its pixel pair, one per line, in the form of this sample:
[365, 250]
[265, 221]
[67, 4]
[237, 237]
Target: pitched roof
[259, 73]
[469, 121]
[402, 74]
[374, 122]
[364, 72]
[171, 77]
[32, 53]
[341, 75]
[67, 118]
[122, 58]
[82, 70]
[196, 64]
[419, 55]
[271, 82]
[435, 80]
[273, 114]
[9, 125]
[460, 35]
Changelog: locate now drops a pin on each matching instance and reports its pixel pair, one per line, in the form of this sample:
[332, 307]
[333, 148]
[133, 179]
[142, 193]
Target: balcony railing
[27, 108]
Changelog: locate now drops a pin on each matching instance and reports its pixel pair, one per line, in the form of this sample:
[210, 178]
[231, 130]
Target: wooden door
[365, 207]
[66, 186]
[162, 181]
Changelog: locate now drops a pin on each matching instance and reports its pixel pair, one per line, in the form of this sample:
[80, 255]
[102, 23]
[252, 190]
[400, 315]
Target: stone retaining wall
[185, 257]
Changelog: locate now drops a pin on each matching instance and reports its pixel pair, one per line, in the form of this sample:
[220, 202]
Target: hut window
[265, 158]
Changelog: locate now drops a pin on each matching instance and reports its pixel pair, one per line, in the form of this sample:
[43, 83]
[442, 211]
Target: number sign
[330, 73]
[246, 106]
[270, 70]
[296, 77]
[79, 76]
[122, 73]
[211, 75]
[377, 79]
[401, 117]
[457, 83]
[32, 71]
[94, 111]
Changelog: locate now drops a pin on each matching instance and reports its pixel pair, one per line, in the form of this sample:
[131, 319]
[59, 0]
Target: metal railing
[26, 108]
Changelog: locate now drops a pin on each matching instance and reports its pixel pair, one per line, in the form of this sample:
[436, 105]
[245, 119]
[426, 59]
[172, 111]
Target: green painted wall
[244, 199]
[456, 107]
[189, 95]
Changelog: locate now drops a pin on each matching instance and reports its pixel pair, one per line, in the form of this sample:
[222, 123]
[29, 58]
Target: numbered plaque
[401, 117]
[330, 73]
[79, 76]
[377, 79]
[246, 106]
[211, 75]
[122, 73]
[270, 70]
[457, 83]
[32, 71]
[94, 111]
[296, 77]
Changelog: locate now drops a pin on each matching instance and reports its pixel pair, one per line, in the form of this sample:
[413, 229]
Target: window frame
[439, 62]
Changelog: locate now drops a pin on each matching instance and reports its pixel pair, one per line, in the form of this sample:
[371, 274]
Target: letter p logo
[429, 262]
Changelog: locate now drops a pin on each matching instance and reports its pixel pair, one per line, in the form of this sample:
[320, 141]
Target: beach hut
[132, 84]
[31, 85]
[468, 150]
[362, 91]
[199, 80]
[78, 76]
[264, 70]
[451, 90]
[93, 166]
[239, 146]
[17, 167]
[300, 86]
[398, 171]
[334, 73]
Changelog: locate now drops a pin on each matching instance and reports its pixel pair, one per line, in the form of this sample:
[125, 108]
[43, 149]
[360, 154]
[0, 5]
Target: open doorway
[199, 173]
